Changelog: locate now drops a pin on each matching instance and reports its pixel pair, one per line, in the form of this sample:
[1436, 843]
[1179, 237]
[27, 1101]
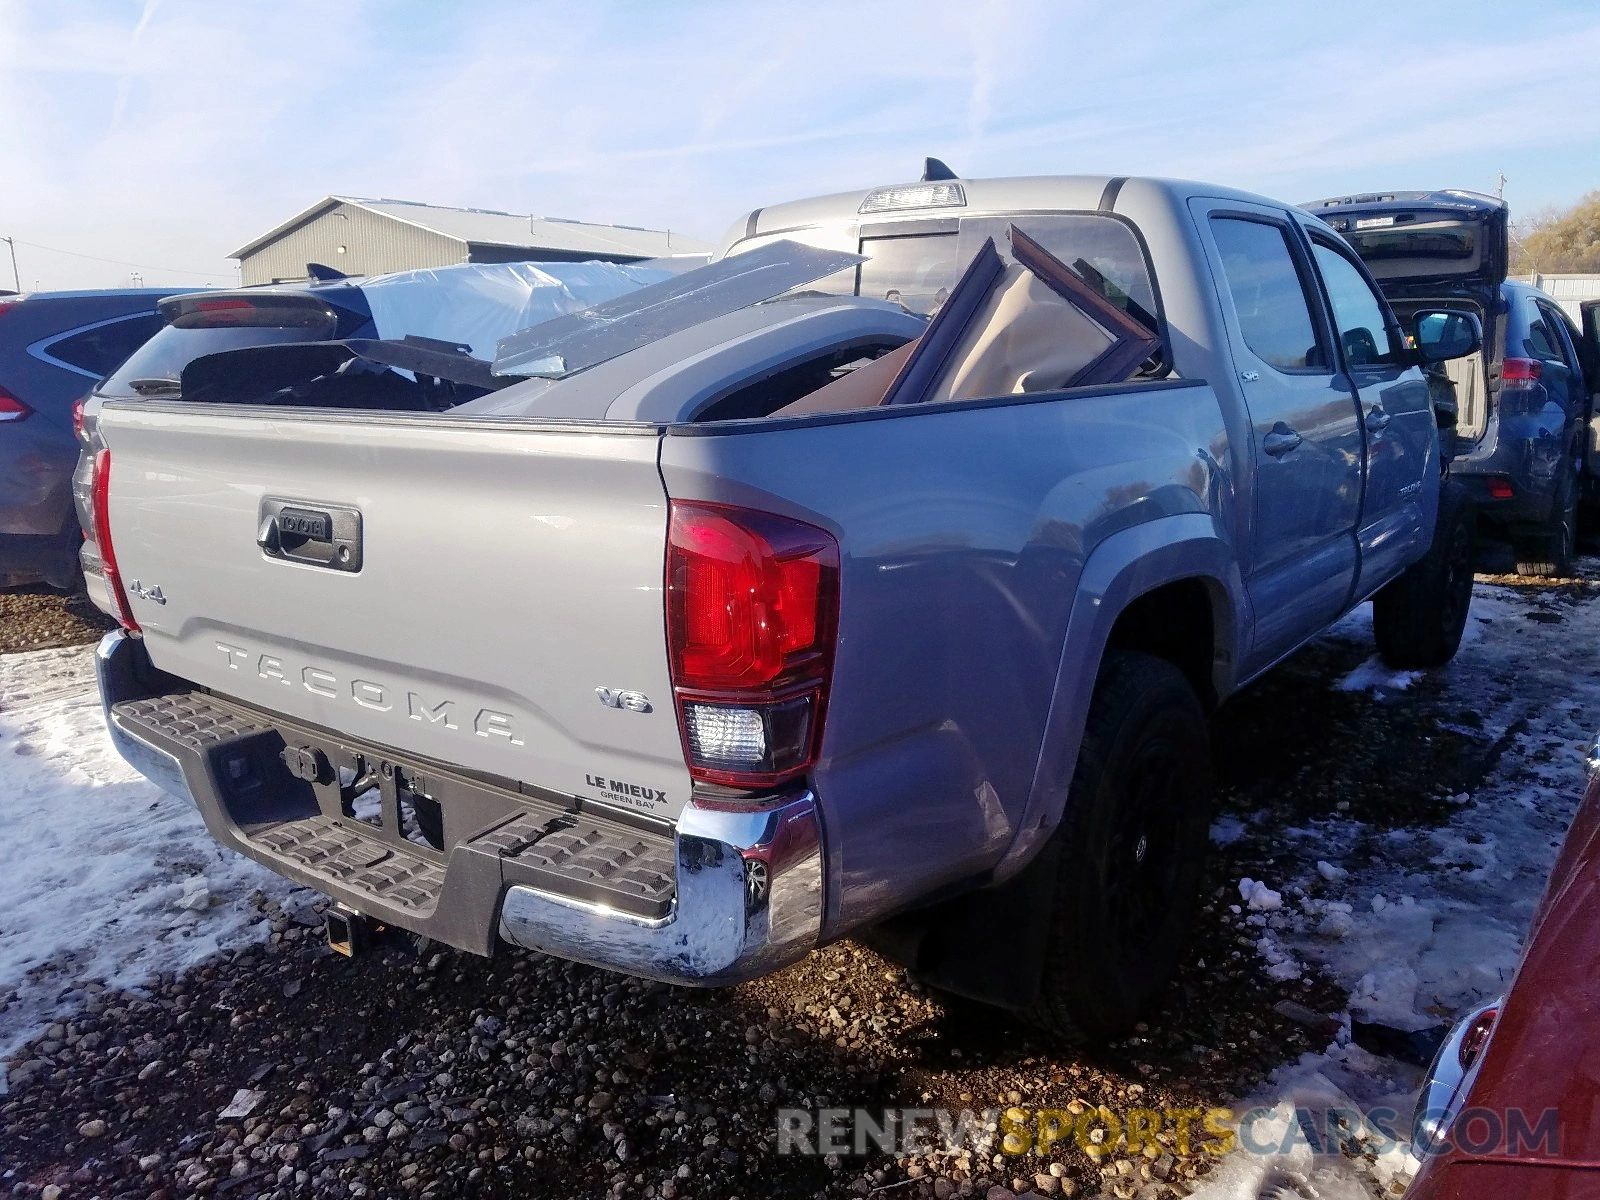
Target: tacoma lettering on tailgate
[368, 693]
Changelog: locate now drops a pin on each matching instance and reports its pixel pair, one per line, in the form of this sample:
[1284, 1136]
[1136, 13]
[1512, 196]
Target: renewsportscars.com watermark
[1183, 1131]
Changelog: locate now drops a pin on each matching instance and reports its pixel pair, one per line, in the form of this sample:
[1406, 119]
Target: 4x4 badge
[152, 594]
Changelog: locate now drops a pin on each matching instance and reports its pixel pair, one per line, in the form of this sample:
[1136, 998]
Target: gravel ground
[415, 1071]
[38, 618]
[441, 1074]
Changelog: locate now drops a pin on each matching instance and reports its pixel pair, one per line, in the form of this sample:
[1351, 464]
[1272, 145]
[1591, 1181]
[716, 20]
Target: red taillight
[752, 612]
[1499, 487]
[1520, 372]
[1476, 1037]
[77, 416]
[12, 409]
[100, 498]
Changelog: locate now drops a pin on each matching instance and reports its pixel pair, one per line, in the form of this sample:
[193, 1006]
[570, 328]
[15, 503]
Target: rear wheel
[1133, 843]
[1548, 554]
[1418, 618]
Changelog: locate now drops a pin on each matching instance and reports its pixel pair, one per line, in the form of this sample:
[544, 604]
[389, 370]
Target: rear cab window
[915, 262]
[918, 270]
[914, 270]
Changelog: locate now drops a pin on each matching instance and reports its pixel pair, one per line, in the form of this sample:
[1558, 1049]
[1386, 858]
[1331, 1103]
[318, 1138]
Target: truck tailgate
[508, 583]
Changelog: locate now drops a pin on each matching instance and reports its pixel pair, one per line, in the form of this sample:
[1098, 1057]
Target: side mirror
[1440, 334]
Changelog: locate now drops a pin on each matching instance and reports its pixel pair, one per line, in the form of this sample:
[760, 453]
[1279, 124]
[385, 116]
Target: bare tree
[1555, 240]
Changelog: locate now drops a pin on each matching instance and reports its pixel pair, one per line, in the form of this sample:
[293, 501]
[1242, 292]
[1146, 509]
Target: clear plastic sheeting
[599, 334]
[478, 304]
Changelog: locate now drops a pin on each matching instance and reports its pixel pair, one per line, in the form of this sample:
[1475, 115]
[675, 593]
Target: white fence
[1567, 290]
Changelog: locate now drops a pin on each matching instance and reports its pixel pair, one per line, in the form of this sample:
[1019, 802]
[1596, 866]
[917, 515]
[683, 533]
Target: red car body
[1537, 1077]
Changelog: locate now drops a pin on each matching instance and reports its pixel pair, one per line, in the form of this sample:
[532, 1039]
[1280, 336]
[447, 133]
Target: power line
[118, 261]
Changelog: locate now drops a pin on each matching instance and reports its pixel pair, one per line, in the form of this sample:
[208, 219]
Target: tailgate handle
[267, 535]
[310, 533]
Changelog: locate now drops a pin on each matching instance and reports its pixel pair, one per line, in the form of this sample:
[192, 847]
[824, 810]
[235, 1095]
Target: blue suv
[1527, 403]
[54, 347]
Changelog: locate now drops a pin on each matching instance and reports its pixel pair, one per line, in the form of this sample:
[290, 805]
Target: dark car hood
[1426, 245]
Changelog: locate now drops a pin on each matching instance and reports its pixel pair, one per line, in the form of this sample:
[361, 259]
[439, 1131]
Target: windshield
[602, 332]
[154, 368]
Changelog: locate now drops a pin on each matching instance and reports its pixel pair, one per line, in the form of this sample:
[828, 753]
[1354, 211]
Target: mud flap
[986, 945]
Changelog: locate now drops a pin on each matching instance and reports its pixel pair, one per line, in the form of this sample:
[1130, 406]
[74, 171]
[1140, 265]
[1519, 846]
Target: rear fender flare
[1127, 565]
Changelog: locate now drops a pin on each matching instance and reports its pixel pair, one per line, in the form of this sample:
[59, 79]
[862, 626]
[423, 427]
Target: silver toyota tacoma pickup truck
[875, 579]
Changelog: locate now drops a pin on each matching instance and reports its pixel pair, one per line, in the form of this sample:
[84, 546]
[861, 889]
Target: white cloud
[169, 134]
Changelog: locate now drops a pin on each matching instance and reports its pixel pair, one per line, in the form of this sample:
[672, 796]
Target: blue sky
[166, 133]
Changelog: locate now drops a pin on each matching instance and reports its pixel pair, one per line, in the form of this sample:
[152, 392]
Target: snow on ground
[1421, 924]
[1374, 676]
[103, 876]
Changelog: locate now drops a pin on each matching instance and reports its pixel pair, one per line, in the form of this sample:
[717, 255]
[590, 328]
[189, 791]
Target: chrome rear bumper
[748, 882]
[749, 901]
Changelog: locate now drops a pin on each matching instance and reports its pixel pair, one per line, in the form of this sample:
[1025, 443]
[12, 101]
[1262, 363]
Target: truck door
[1398, 509]
[1306, 447]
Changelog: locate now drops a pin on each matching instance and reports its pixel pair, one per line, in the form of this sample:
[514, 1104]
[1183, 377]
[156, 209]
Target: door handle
[1280, 441]
[1377, 419]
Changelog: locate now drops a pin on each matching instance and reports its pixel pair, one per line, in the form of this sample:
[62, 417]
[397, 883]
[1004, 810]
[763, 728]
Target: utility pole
[1500, 186]
[14, 274]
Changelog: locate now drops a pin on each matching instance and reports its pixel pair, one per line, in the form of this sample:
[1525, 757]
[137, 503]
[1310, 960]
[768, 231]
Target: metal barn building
[369, 237]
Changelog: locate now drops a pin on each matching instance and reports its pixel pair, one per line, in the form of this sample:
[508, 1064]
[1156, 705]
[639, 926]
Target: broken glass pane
[584, 339]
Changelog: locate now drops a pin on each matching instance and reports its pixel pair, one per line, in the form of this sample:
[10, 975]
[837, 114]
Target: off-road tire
[1418, 618]
[1132, 848]
[1548, 554]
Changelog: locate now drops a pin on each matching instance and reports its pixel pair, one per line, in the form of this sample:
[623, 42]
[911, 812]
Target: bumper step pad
[332, 850]
[266, 813]
[191, 719]
[588, 860]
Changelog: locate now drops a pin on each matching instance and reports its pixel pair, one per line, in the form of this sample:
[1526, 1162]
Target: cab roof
[953, 198]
